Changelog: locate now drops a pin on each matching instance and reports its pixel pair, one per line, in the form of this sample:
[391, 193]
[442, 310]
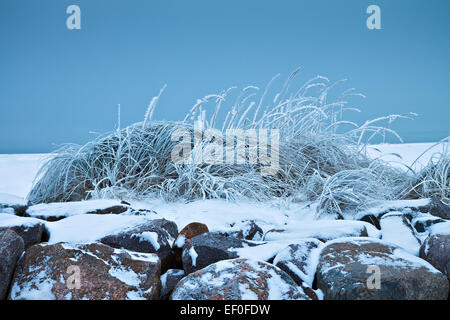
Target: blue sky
[59, 85]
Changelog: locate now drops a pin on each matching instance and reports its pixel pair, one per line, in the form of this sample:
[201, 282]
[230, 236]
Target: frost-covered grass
[434, 179]
[322, 156]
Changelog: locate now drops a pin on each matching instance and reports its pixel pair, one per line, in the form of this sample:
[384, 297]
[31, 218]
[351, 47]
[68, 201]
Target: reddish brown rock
[155, 236]
[436, 250]
[191, 230]
[87, 271]
[346, 266]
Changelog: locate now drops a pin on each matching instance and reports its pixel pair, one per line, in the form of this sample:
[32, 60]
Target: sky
[63, 86]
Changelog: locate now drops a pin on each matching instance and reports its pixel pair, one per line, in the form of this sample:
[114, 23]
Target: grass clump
[319, 159]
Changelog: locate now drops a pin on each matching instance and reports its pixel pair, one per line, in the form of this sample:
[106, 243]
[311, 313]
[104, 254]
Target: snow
[390, 205]
[9, 221]
[11, 200]
[193, 255]
[395, 231]
[442, 228]
[407, 151]
[149, 236]
[91, 227]
[17, 172]
[38, 288]
[126, 275]
[181, 239]
[398, 258]
[308, 256]
[68, 209]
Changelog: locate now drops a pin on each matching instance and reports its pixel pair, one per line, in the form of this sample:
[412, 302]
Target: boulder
[169, 281]
[370, 269]
[422, 223]
[207, 248]
[396, 228]
[246, 229]
[238, 279]
[11, 248]
[13, 204]
[155, 236]
[372, 219]
[323, 230]
[436, 208]
[31, 230]
[60, 210]
[91, 271]
[436, 250]
[300, 262]
[191, 230]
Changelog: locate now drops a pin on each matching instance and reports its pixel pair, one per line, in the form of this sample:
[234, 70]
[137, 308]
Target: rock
[92, 227]
[60, 210]
[13, 204]
[323, 230]
[246, 229]
[348, 270]
[31, 230]
[191, 230]
[372, 219]
[300, 262]
[86, 271]
[155, 236]
[423, 222]
[396, 228]
[436, 250]
[11, 248]
[207, 248]
[238, 279]
[436, 208]
[169, 280]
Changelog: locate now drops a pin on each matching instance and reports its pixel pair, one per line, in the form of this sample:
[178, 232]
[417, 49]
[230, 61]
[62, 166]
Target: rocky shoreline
[397, 253]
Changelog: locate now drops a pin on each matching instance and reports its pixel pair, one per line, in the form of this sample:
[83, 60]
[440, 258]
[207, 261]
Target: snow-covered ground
[17, 172]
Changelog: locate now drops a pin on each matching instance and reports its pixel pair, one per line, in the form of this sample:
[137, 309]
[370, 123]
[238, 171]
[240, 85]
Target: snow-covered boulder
[370, 269]
[92, 227]
[11, 248]
[423, 222]
[169, 280]
[436, 208]
[436, 250]
[397, 229]
[87, 271]
[60, 210]
[154, 236]
[432, 206]
[300, 262]
[12, 204]
[323, 230]
[246, 229]
[208, 248]
[238, 279]
[31, 230]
